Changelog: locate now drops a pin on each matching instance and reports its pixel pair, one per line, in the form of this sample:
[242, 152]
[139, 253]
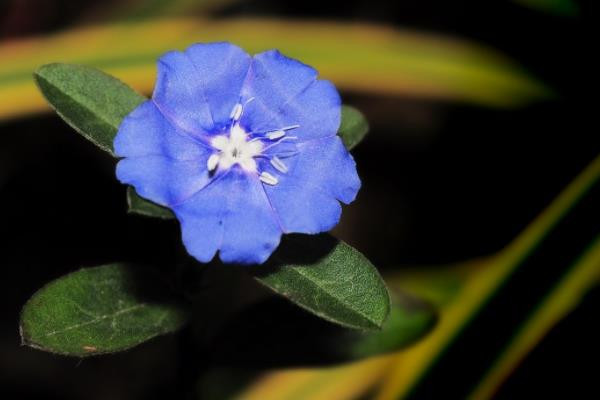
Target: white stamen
[279, 165]
[212, 162]
[236, 113]
[275, 134]
[268, 178]
[279, 141]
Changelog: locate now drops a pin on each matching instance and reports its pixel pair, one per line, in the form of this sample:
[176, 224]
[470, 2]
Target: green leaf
[330, 279]
[353, 128]
[99, 310]
[89, 100]
[141, 206]
[94, 104]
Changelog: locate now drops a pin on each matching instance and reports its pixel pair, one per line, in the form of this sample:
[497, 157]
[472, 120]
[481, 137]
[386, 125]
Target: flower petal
[198, 88]
[201, 224]
[317, 111]
[273, 81]
[164, 180]
[146, 132]
[227, 66]
[306, 197]
[231, 214]
[303, 209]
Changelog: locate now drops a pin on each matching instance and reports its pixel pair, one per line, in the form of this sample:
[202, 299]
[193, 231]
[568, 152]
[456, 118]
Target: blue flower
[241, 148]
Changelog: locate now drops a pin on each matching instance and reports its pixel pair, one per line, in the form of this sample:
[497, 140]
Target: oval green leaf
[90, 101]
[353, 128]
[99, 310]
[330, 279]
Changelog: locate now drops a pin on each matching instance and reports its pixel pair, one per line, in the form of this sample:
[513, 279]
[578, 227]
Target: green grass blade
[565, 296]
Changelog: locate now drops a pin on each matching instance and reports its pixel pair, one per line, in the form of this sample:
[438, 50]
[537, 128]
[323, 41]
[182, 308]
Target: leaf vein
[98, 319]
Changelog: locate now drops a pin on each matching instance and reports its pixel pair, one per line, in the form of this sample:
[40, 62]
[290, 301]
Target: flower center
[234, 149]
[240, 147]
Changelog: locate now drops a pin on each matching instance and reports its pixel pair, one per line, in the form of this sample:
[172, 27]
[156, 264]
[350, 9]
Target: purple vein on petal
[197, 137]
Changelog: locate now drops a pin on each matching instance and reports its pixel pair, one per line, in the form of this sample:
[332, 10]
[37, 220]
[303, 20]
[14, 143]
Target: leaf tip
[42, 70]
[381, 318]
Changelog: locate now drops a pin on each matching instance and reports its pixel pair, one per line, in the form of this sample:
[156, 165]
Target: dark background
[442, 182]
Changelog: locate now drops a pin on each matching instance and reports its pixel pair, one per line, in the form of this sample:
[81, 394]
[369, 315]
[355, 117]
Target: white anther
[279, 165]
[287, 128]
[236, 113]
[275, 134]
[268, 178]
[212, 162]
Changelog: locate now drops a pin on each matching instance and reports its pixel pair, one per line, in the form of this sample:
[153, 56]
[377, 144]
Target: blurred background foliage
[481, 149]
